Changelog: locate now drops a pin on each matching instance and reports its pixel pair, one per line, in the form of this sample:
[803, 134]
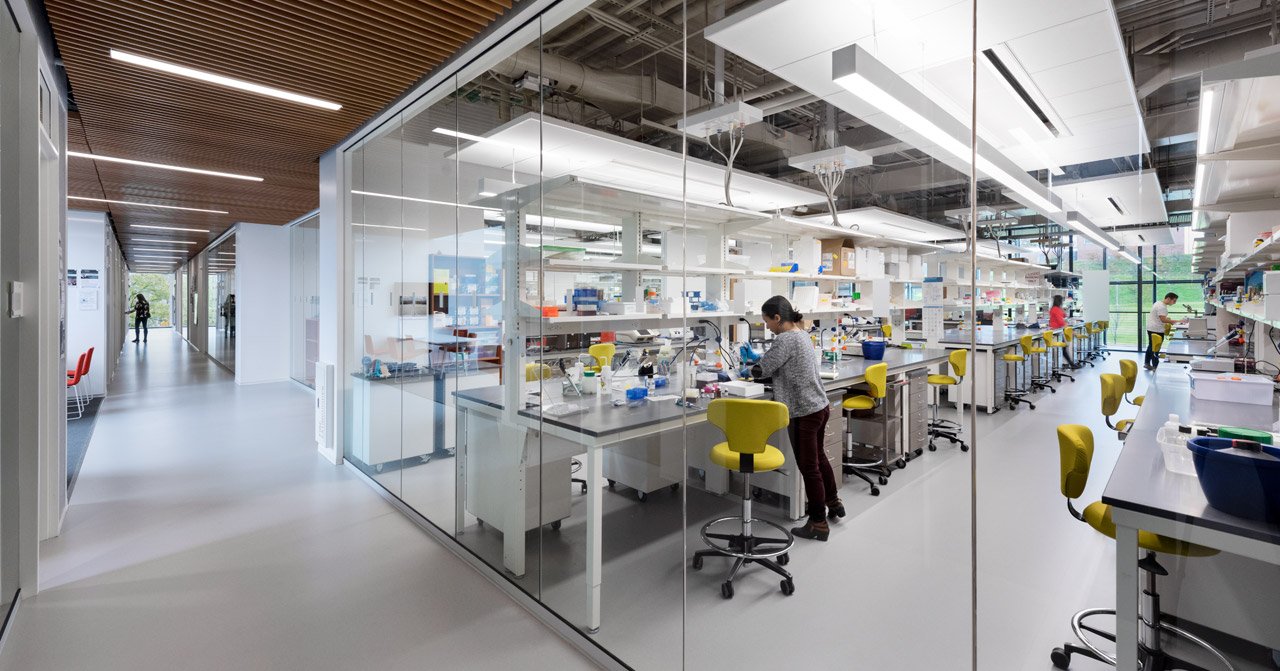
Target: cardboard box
[842, 255]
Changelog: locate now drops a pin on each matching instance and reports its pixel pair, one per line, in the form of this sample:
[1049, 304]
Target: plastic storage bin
[1244, 485]
[873, 349]
[1234, 388]
[1177, 457]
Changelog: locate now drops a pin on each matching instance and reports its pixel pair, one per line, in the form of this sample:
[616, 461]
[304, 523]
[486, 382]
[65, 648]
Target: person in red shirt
[1057, 320]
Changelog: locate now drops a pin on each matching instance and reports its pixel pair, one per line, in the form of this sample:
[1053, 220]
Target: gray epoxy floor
[207, 533]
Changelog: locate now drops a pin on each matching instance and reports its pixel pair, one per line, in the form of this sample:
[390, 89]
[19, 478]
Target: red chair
[84, 370]
[73, 383]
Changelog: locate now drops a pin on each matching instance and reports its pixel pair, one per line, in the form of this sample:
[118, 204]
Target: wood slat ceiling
[358, 53]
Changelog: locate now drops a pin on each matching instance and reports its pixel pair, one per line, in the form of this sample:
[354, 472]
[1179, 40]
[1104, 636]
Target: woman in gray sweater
[793, 365]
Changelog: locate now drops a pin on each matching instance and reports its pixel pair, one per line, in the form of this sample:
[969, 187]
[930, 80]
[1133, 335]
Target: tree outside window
[155, 287]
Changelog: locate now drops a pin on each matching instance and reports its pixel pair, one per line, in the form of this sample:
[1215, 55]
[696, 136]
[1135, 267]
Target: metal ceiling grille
[360, 54]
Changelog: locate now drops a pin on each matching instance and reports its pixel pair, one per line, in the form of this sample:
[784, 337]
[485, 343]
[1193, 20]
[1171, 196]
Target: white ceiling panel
[569, 149]
[1104, 97]
[1138, 195]
[1076, 45]
[879, 221]
[1088, 36]
[1007, 20]
[1082, 75]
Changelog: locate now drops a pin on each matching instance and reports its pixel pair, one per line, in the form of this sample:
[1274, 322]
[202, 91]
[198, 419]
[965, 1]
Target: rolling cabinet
[917, 415]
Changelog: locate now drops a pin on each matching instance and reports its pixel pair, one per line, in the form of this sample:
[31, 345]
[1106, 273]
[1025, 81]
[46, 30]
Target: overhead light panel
[1199, 187]
[422, 200]
[170, 228]
[138, 204]
[162, 166]
[183, 71]
[150, 249]
[862, 75]
[1206, 117]
[164, 241]
[1125, 254]
[475, 138]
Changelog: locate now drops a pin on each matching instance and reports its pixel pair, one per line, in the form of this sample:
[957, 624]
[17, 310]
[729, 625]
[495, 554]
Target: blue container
[873, 349]
[637, 396]
[1243, 485]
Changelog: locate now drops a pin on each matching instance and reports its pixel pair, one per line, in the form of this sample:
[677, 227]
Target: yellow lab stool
[1129, 371]
[1038, 381]
[1112, 396]
[946, 428]
[1075, 449]
[1056, 347]
[877, 378]
[603, 354]
[747, 424]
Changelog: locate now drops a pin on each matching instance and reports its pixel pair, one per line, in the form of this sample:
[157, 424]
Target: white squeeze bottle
[1169, 432]
[606, 378]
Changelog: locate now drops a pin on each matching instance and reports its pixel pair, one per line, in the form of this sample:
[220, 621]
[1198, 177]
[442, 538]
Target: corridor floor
[207, 533]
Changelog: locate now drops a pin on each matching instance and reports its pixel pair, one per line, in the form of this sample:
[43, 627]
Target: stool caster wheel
[1053, 390]
[479, 522]
[933, 448]
[1061, 658]
[1032, 406]
[641, 496]
[675, 486]
[788, 587]
[611, 483]
[901, 463]
[726, 590]
[555, 526]
[1013, 406]
[875, 491]
[697, 563]
[964, 448]
[584, 488]
[784, 559]
[883, 480]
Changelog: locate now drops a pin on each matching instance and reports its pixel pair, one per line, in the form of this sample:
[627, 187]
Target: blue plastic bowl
[873, 349]
[1238, 484]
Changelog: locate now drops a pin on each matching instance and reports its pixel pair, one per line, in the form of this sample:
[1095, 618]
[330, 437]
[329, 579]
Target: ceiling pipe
[597, 86]
[1185, 64]
[786, 102]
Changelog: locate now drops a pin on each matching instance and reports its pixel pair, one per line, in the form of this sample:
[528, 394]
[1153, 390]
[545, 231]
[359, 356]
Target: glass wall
[304, 300]
[222, 302]
[560, 258]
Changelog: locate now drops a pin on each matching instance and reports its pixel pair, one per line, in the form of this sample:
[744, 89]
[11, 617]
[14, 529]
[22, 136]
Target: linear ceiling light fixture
[170, 228]
[862, 75]
[423, 200]
[475, 138]
[1206, 114]
[183, 71]
[162, 166]
[162, 241]
[151, 249]
[134, 202]
[1125, 254]
[1198, 198]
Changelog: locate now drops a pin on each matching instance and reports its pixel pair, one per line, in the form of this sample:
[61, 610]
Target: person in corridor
[141, 312]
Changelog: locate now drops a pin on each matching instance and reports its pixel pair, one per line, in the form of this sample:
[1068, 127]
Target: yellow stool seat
[1057, 344]
[1098, 515]
[1014, 357]
[1123, 425]
[771, 459]
[1138, 400]
[942, 379]
[859, 403]
[1037, 350]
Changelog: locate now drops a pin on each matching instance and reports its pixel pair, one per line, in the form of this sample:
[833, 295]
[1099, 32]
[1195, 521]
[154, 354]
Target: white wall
[262, 303]
[87, 249]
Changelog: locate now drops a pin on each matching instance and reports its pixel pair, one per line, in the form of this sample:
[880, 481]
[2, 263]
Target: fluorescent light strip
[162, 166]
[399, 228]
[1199, 187]
[1206, 109]
[161, 258]
[424, 200]
[170, 228]
[898, 110]
[203, 76]
[1093, 236]
[1129, 256]
[132, 202]
[162, 241]
[474, 138]
[228, 253]
[151, 249]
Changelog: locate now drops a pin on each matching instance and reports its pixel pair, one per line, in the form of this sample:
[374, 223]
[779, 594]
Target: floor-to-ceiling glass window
[222, 302]
[304, 300]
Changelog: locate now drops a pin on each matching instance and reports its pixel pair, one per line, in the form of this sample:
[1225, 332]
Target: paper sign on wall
[88, 299]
